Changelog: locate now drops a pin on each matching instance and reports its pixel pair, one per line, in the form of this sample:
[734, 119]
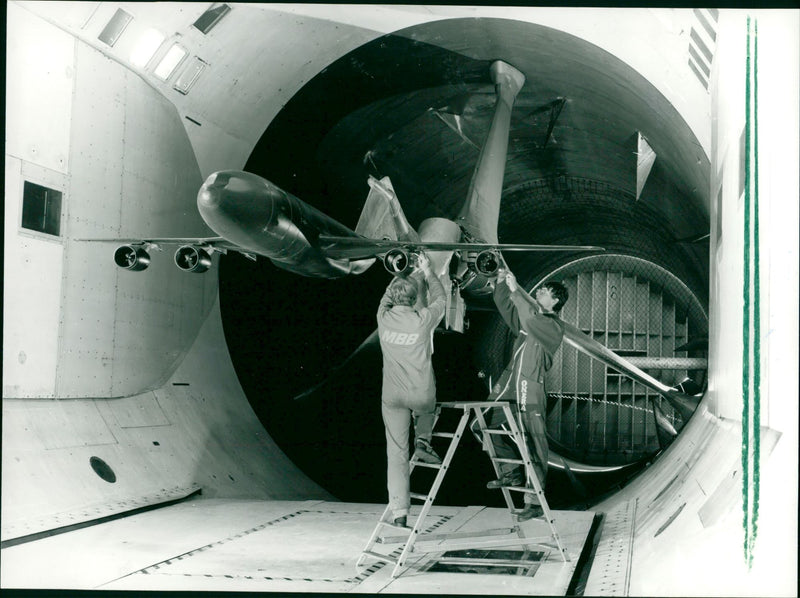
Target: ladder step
[423, 464]
[418, 496]
[521, 489]
[402, 528]
[444, 434]
[502, 460]
[380, 557]
[516, 512]
[495, 431]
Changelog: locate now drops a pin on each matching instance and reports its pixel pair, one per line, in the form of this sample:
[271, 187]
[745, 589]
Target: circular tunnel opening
[414, 106]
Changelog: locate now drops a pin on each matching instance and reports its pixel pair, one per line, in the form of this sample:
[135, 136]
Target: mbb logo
[399, 338]
[523, 394]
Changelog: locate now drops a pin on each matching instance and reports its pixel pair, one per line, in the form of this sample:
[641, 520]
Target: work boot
[511, 478]
[530, 512]
[400, 521]
[424, 452]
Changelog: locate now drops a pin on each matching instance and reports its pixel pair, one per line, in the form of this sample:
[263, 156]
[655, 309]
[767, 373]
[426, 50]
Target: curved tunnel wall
[691, 514]
[47, 479]
[137, 373]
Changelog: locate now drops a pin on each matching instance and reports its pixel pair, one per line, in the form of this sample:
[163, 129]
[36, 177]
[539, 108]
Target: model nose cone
[209, 195]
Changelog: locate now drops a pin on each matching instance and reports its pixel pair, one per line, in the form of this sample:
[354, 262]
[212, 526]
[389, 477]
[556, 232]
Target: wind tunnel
[135, 389]
[416, 107]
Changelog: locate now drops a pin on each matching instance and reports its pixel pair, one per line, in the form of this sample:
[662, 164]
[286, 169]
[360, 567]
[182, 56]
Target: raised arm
[514, 305]
[386, 302]
[436, 295]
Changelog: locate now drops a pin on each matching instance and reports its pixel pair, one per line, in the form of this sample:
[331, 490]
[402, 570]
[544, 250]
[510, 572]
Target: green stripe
[756, 308]
[746, 312]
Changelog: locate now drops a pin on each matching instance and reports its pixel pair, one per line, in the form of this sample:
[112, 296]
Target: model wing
[362, 247]
[219, 243]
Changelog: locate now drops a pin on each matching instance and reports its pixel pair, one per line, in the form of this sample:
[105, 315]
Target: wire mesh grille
[636, 309]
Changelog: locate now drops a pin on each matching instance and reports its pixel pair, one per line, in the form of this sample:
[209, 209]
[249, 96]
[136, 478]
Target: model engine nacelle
[397, 261]
[131, 257]
[191, 258]
[487, 263]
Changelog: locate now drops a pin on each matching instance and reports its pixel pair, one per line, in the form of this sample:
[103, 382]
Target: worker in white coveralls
[405, 328]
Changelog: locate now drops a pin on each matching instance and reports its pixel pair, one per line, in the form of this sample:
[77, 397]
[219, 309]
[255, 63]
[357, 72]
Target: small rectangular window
[211, 17]
[114, 28]
[171, 60]
[190, 74]
[41, 209]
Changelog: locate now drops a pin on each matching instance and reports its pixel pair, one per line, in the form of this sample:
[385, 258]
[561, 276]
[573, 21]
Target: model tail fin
[382, 217]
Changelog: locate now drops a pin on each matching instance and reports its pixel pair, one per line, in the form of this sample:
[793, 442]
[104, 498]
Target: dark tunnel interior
[406, 107]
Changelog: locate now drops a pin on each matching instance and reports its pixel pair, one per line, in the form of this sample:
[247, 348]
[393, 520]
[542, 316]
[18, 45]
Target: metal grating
[492, 562]
[635, 309]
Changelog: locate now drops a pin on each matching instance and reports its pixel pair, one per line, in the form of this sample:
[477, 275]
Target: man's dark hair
[559, 292]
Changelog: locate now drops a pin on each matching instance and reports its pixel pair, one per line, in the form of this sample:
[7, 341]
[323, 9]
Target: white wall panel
[159, 195]
[690, 506]
[139, 412]
[62, 424]
[40, 74]
[31, 292]
[75, 13]
[40, 77]
[727, 221]
[779, 80]
[133, 175]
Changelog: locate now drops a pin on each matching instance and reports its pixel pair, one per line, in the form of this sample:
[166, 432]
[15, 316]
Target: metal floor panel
[611, 566]
[268, 546]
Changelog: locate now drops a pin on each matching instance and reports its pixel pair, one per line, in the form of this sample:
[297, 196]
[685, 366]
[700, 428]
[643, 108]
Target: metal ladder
[469, 539]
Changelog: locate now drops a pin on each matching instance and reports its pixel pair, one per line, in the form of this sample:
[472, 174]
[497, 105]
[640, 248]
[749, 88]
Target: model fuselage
[263, 219]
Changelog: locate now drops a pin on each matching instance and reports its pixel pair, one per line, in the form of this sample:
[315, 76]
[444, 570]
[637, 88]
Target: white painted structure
[101, 362]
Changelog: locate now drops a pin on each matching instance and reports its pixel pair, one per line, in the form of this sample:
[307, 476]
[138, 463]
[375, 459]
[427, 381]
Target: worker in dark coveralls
[536, 324]
[405, 326]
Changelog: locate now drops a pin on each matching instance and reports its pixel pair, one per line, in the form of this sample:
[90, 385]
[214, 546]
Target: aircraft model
[256, 218]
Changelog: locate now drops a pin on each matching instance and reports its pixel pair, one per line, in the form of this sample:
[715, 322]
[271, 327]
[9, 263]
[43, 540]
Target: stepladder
[407, 543]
